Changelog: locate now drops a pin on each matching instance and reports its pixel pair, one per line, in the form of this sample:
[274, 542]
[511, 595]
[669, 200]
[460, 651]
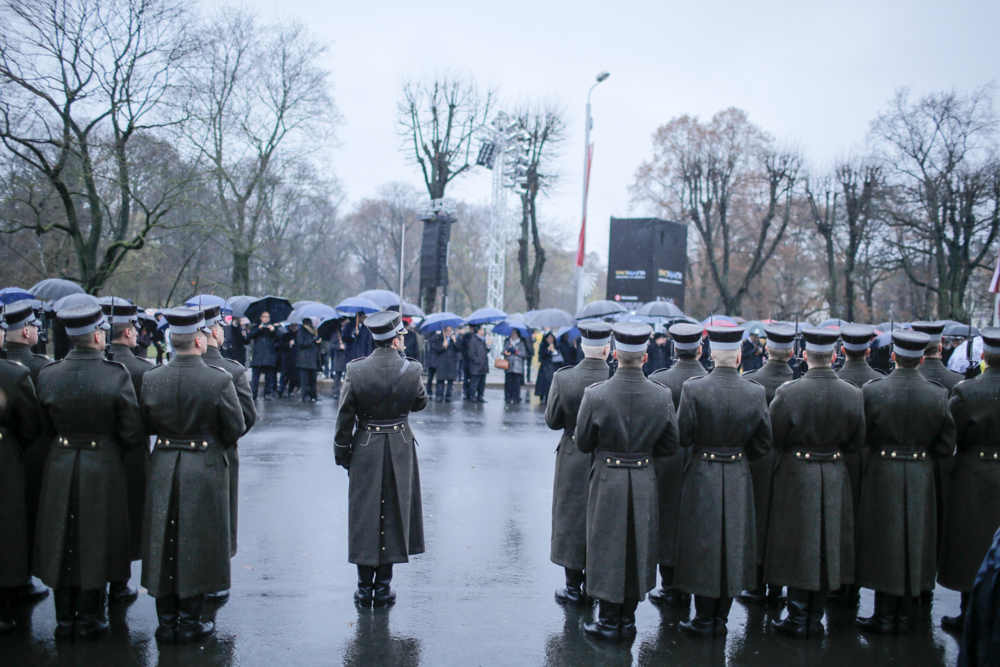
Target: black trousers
[443, 392]
[512, 386]
[308, 382]
[430, 380]
[270, 379]
[290, 380]
[466, 381]
[477, 385]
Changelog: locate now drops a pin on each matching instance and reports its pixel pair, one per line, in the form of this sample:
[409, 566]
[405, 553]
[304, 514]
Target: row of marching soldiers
[732, 483]
[84, 490]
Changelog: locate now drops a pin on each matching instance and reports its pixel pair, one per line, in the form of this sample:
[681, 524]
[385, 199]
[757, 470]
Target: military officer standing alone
[972, 512]
[627, 422]
[724, 420]
[90, 416]
[194, 411]
[815, 420]
[773, 374]
[670, 469]
[572, 476]
[375, 444]
[907, 425]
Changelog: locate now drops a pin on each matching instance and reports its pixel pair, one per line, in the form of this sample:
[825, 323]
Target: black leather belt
[86, 441]
[908, 454]
[383, 425]
[818, 457]
[625, 459]
[721, 454]
[191, 443]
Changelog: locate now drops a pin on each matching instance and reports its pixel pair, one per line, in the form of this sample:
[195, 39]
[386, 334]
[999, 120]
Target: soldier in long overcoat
[724, 420]
[626, 422]
[815, 420]
[973, 510]
[376, 445]
[774, 373]
[571, 485]
[856, 370]
[215, 324]
[907, 425]
[194, 412]
[670, 469]
[90, 416]
[19, 427]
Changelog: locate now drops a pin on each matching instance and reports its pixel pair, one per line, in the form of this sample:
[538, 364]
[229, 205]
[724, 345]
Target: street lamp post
[581, 279]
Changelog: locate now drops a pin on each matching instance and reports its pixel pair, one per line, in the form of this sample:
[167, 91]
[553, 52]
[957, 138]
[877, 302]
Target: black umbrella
[327, 327]
[660, 309]
[53, 289]
[959, 330]
[409, 310]
[599, 309]
[74, 300]
[278, 306]
[147, 322]
[553, 318]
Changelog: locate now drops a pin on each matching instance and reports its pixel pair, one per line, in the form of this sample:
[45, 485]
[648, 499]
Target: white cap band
[856, 347]
[775, 345]
[992, 349]
[180, 330]
[687, 346]
[630, 347]
[903, 352]
[595, 342]
[80, 331]
[816, 347]
[389, 334]
[726, 346]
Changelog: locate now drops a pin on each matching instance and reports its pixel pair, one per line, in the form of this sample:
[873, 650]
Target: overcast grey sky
[813, 74]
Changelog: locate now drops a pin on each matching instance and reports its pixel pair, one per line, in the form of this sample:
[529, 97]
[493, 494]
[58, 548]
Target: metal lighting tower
[582, 281]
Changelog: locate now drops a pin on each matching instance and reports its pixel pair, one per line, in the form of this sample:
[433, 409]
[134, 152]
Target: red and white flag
[581, 247]
[995, 282]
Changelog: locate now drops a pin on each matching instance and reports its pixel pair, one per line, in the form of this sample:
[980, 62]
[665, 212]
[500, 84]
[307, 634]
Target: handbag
[502, 364]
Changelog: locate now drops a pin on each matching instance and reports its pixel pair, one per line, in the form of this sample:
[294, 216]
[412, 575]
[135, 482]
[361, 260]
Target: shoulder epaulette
[43, 356]
[756, 383]
[937, 383]
[657, 382]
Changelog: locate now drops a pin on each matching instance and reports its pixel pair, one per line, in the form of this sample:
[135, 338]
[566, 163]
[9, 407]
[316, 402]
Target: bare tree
[860, 184]
[727, 179]
[824, 213]
[80, 81]
[940, 153]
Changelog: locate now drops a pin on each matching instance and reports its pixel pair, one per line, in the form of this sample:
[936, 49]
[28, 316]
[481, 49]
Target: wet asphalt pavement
[481, 595]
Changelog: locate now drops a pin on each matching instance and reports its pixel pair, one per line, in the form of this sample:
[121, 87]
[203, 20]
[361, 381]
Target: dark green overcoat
[721, 416]
[620, 419]
[771, 375]
[973, 510]
[811, 533]
[241, 379]
[670, 469]
[137, 460]
[908, 416]
[385, 510]
[183, 402]
[90, 416]
[571, 485]
[857, 372]
[934, 369]
[19, 427]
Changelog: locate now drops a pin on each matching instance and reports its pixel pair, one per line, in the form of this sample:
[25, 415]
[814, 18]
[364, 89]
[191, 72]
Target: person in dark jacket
[568, 351]
[265, 356]
[445, 348]
[463, 350]
[236, 341]
[291, 378]
[515, 351]
[357, 338]
[980, 644]
[307, 344]
[431, 361]
[549, 359]
[753, 354]
[658, 355]
[414, 341]
[375, 444]
[477, 351]
[338, 352]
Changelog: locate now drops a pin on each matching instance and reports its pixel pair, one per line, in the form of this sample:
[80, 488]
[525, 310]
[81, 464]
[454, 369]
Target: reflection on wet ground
[481, 595]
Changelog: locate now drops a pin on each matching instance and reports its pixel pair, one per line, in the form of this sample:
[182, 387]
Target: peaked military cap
[83, 319]
[594, 333]
[932, 329]
[909, 343]
[991, 339]
[631, 336]
[820, 340]
[385, 324]
[726, 338]
[119, 308]
[857, 337]
[18, 314]
[686, 336]
[185, 320]
[780, 336]
[213, 314]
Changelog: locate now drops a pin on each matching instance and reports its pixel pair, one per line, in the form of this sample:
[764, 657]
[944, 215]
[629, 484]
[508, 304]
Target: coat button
[93, 444]
[192, 445]
[883, 452]
[711, 456]
[204, 443]
[807, 454]
[798, 455]
[167, 443]
[618, 463]
[894, 455]
[377, 428]
[733, 457]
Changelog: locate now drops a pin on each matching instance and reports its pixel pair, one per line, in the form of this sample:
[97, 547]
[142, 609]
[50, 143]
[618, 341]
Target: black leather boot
[906, 617]
[29, 592]
[366, 586]
[65, 599]
[91, 619]
[796, 624]
[722, 616]
[166, 614]
[817, 609]
[190, 627]
[384, 595]
[573, 594]
[703, 623]
[627, 617]
[667, 595]
[121, 592]
[882, 622]
[759, 594]
[608, 625]
[957, 623]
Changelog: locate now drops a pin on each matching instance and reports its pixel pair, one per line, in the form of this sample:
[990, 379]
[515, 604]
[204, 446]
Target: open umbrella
[504, 328]
[573, 332]
[892, 326]
[835, 323]
[358, 304]
[409, 310]
[327, 327]
[318, 310]
[959, 330]
[206, 300]
[146, 321]
[660, 309]
[599, 309]
[53, 289]
[12, 294]
[753, 327]
[239, 304]
[438, 321]
[549, 317]
[486, 316]
[383, 297]
[718, 321]
[75, 300]
[277, 306]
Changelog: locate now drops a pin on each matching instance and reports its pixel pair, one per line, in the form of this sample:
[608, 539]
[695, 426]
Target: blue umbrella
[205, 300]
[383, 297]
[358, 304]
[486, 316]
[438, 321]
[12, 294]
[504, 328]
[317, 310]
[573, 332]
